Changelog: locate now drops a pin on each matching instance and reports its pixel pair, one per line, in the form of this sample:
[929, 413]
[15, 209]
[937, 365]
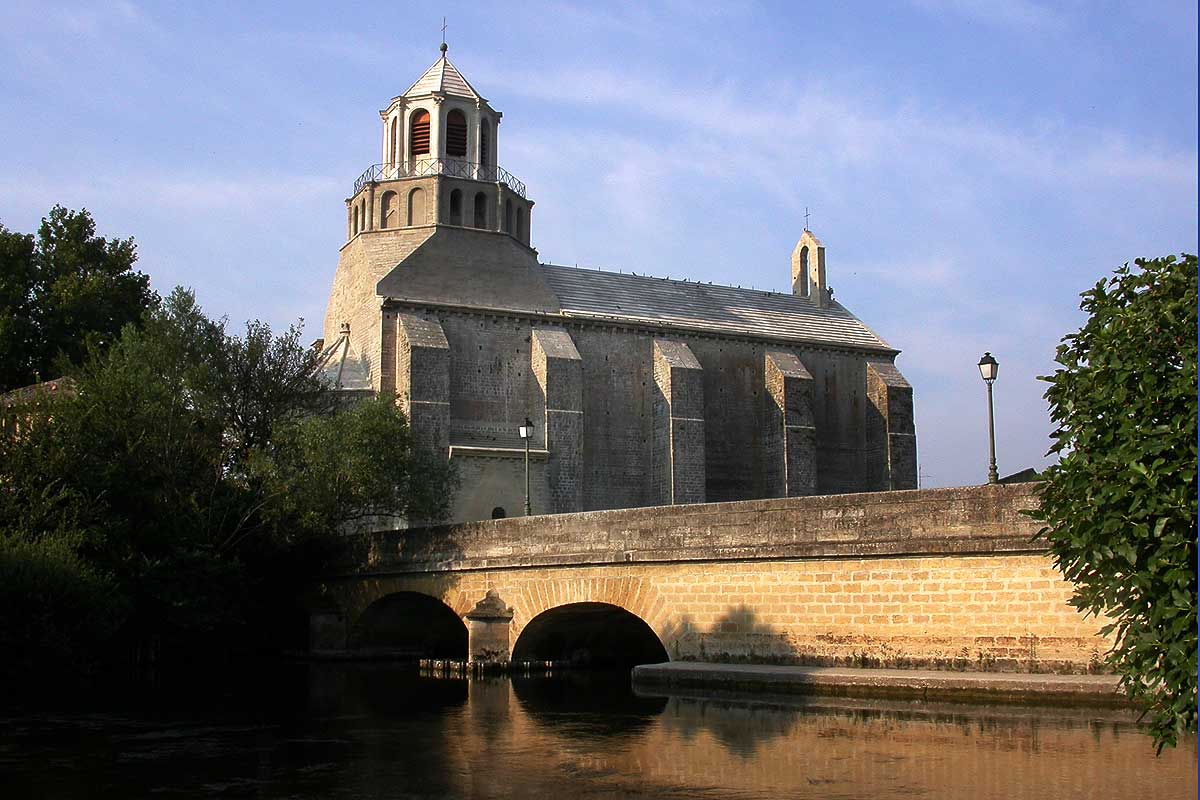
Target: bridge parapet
[957, 521]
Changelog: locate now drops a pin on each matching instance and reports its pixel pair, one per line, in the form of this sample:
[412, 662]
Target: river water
[373, 731]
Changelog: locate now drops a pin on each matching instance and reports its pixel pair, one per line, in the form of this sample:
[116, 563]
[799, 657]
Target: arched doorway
[598, 635]
[410, 625]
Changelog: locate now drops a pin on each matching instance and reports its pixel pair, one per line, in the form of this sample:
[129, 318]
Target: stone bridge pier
[942, 578]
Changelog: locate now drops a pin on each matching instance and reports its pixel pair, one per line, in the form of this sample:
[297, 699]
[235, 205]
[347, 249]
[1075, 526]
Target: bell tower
[808, 270]
[439, 164]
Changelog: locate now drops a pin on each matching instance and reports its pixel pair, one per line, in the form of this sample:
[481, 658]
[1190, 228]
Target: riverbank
[991, 687]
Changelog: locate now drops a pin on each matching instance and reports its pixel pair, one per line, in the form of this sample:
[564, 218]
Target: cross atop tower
[806, 218]
[444, 48]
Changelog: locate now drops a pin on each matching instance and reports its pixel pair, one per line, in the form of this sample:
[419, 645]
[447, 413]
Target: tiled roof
[720, 309]
[443, 77]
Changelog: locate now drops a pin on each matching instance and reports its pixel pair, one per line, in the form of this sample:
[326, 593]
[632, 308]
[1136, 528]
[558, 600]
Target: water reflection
[378, 731]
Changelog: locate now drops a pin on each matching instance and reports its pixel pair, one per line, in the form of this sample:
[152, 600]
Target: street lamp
[526, 432]
[988, 367]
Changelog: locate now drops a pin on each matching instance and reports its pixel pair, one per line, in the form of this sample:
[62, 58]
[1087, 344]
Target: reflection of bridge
[933, 578]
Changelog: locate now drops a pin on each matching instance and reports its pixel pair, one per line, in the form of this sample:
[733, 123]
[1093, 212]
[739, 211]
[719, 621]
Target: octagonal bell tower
[436, 219]
[439, 163]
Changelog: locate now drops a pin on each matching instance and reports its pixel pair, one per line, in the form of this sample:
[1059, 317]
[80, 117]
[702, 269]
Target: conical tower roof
[443, 78]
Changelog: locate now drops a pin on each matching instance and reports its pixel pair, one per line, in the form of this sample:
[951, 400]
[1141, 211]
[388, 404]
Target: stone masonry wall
[947, 578]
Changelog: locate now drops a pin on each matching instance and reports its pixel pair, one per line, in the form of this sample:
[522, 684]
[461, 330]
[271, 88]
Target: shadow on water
[586, 703]
[380, 689]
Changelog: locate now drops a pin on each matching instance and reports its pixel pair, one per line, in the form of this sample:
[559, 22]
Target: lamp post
[988, 367]
[526, 432]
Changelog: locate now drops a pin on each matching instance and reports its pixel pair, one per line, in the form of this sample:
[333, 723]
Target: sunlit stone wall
[947, 578]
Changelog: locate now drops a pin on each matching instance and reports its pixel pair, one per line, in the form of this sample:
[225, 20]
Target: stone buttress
[790, 440]
[558, 370]
[890, 431]
[678, 445]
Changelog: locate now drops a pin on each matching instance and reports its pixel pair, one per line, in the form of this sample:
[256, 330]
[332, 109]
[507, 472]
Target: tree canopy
[61, 292]
[1120, 505]
[189, 491]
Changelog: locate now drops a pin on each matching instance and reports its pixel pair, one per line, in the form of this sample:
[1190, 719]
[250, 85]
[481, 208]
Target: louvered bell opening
[456, 135]
[485, 143]
[419, 141]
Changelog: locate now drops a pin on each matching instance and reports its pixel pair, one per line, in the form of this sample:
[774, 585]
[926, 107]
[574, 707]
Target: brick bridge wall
[947, 578]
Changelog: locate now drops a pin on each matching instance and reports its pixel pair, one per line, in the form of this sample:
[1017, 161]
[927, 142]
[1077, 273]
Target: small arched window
[499, 513]
[354, 227]
[456, 211]
[387, 210]
[485, 143]
[521, 235]
[480, 210]
[418, 140]
[508, 216]
[456, 134]
[416, 207]
[394, 152]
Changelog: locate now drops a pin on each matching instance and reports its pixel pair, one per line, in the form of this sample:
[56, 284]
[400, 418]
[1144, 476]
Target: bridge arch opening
[596, 635]
[410, 625]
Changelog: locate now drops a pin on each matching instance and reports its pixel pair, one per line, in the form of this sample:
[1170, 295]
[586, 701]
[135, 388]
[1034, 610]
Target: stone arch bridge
[942, 578]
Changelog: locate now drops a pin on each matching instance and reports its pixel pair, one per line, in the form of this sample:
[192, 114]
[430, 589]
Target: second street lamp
[526, 432]
[988, 367]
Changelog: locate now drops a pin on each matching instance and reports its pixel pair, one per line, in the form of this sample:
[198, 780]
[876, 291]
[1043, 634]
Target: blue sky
[970, 165]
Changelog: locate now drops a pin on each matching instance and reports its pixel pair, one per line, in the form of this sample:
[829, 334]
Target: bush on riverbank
[171, 511]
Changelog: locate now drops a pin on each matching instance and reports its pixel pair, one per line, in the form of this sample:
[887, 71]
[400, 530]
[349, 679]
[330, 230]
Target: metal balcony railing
[452, 167]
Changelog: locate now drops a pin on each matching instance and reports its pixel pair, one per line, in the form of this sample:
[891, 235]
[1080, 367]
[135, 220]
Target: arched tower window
[521, 235]
[508, 216]
[387, 210]
[394, 152]
[419, 137]
[480, 210]
[456, 134]
[485, 143]
[804, 268]
[416, 207]
[354, 229]
[456, 214]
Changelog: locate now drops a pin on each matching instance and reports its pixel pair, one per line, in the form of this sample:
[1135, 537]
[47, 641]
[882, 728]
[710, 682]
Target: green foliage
[1120, 506]
[63, 292]
[56, 610]
[203, 478]
[357, 467]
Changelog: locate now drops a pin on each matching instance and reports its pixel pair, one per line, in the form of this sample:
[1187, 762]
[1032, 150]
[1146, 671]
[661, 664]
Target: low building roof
[341, 368]
[710, 307]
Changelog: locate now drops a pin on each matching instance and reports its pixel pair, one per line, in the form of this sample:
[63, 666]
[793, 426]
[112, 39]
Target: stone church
[642, 391]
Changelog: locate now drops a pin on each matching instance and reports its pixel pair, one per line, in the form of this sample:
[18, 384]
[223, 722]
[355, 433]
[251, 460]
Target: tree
[356, 467]
[62, 292]
[199, 480]
[1120, 505]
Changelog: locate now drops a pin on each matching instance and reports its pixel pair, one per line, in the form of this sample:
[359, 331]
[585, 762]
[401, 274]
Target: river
[382, 731]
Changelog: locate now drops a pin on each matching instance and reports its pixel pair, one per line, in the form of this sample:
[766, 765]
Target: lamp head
[988, 367]
[526, 430]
